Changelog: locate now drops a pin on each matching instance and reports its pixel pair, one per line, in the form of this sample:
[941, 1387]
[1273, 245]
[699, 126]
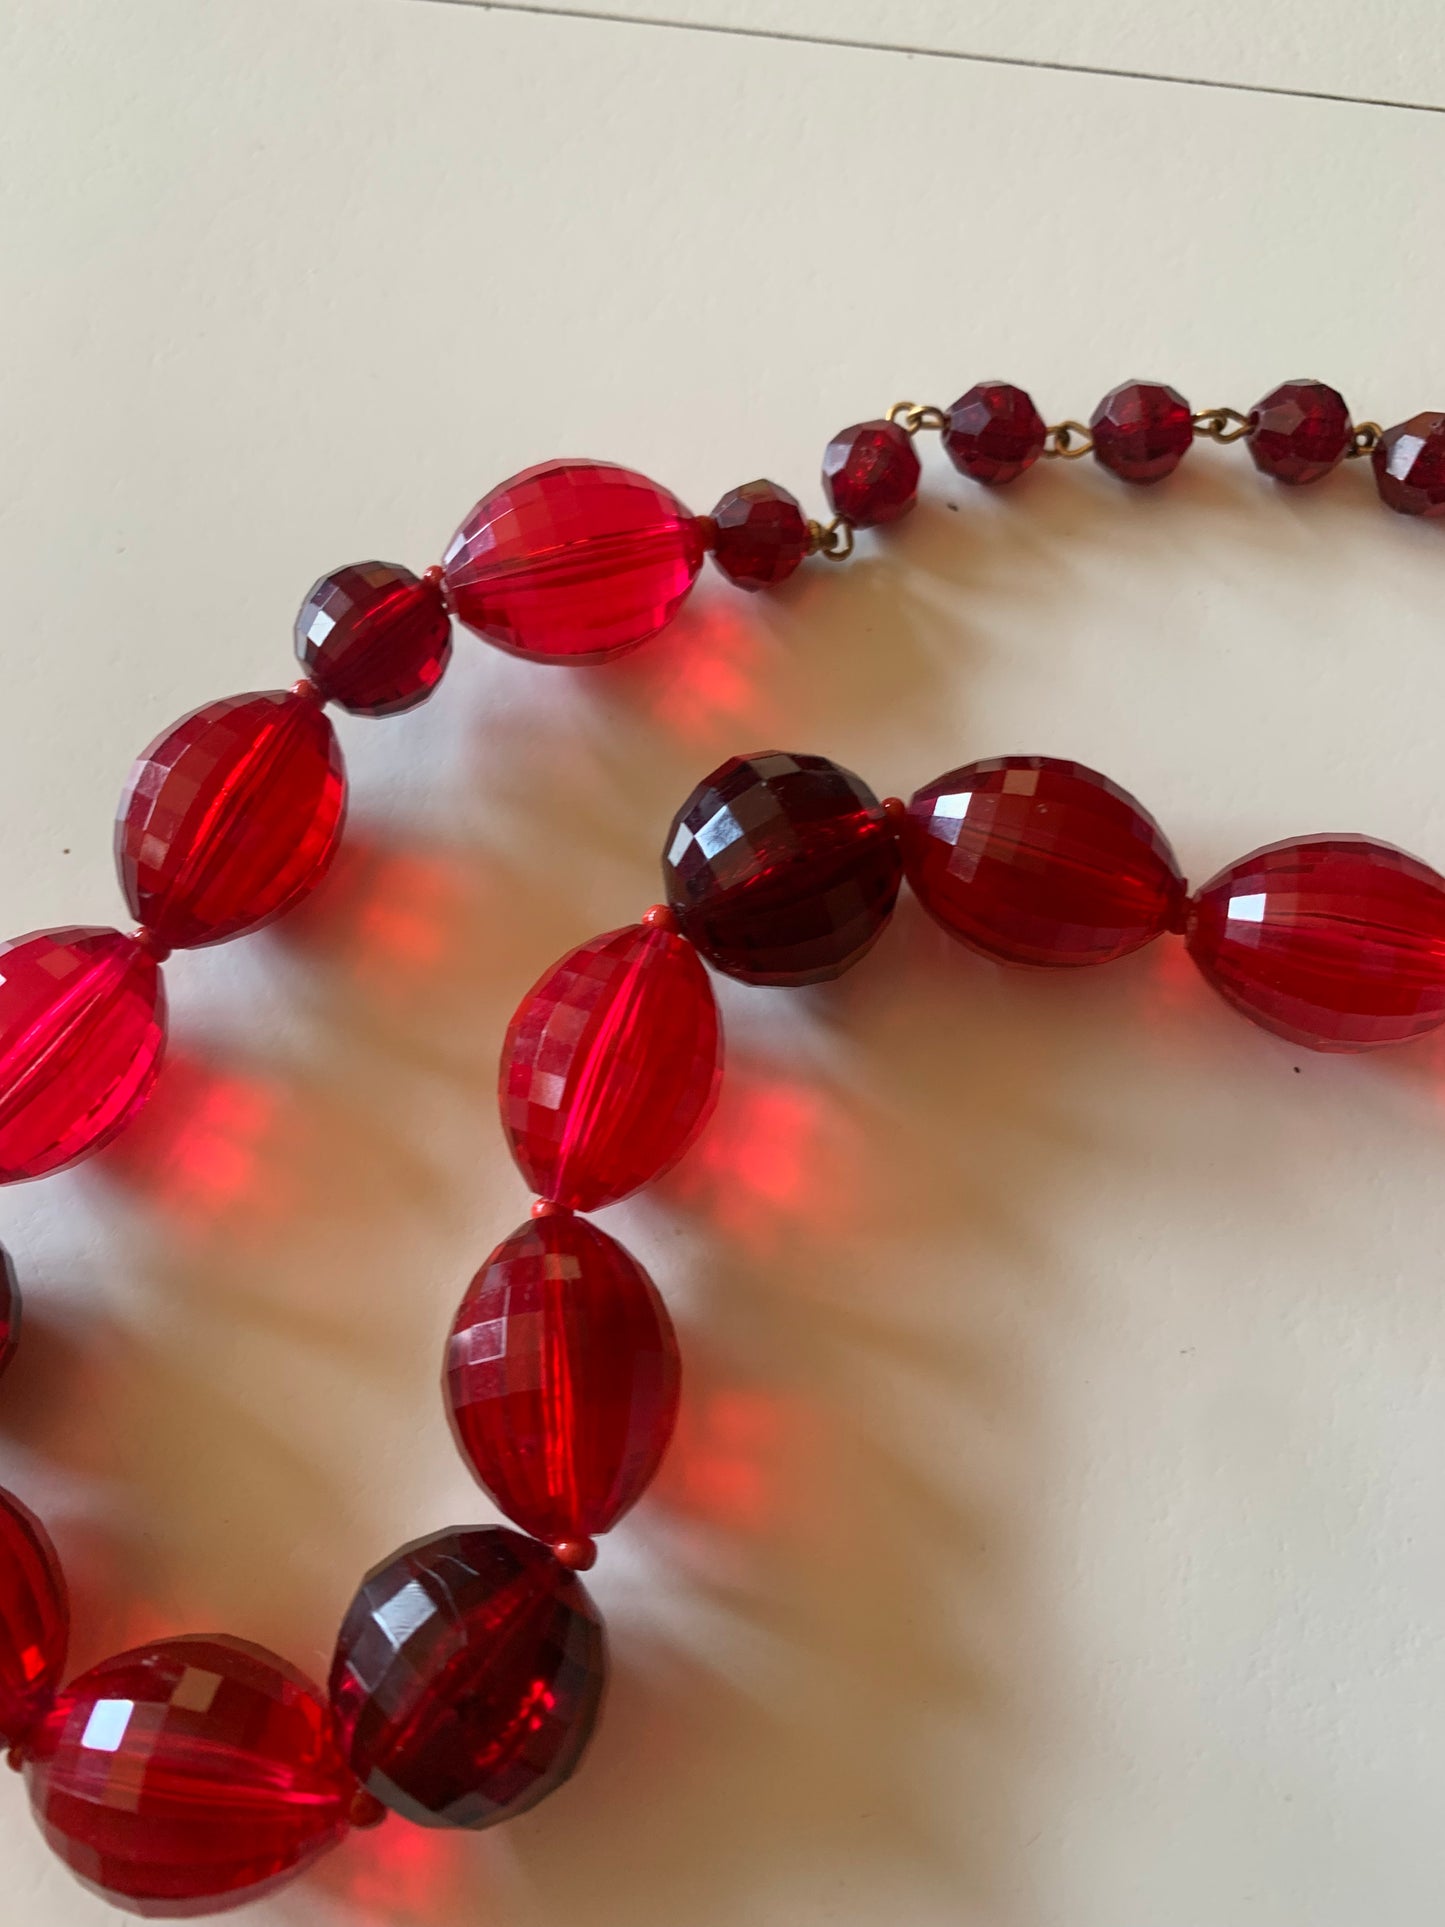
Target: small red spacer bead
[15, 1758]
[578, 1555]
[894, 808]
[660, 917]
[151, 943]
[545, 1208]
[707, 530]
[307, 690]
[365, 1810]
[1179, 917]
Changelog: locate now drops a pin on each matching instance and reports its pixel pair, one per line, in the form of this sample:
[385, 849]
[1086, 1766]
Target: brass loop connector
[1221, 424]
[913, 415]
[1067, 441]
[1365, 441]
[832, 540]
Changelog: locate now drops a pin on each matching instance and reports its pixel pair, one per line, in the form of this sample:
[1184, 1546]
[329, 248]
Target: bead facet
[1409, 465]
[870, 473]
[230, 817]
[994, 433]
[573, 561]
[9, 1309]
[1142, 431]
[760, 535]
[1034, 860]
[1300, 431]
[34, 1621]
[562, 1378]
[1334, 942]
[374, 638]
[782, 869]
[468, 1677]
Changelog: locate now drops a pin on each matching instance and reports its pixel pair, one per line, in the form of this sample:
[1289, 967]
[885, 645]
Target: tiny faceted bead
[374, 637]
[1409, 464]
[188, 1775]
[1334, 942]
[610, 1066]
[1038, 861]
[9, 1309]
[1141, 431]
[994, 433]
[573, 561]
[230, 818]
[760, 535]
[468, 1677]
[782, 869]
[870, 473]
[34, 1621]
[562, 1378]
[1300, 431]
[82, 1028]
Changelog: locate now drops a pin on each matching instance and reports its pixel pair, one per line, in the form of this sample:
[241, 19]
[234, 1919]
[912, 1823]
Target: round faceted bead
[562, 1378]
[34, 1621]
[994, 432]
[1409, 464]
[782, 869]
[82, 1028]
[230, 817]
[1141, 430]
[374, 637]
[760, 535]
[610, 1066]
[870, 473]
[1038, 861]
[1300, 431]
[9, 1309]
[1334, 942]
[573, 562]
[187, 1776]
[468, 1677]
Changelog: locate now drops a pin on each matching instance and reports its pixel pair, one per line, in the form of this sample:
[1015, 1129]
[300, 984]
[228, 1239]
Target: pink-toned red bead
[760, 535]
[993, 433]
[1409, 465]
[10, 1309]
[1142, 431]
[34, 1621]
[870, 473]
[374, 638]
[1300, 431]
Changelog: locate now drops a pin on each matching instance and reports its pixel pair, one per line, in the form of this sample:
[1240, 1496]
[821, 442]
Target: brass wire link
[913, 415]
[1221, 424]
[1365, 441]
[832, 540]
[1067, 441]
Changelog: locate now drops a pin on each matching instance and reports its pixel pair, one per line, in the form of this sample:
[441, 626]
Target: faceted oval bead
[1142, 430]
[82, 1028]
[187, 1776]
[230, 817]
[1409, 465]
[1334, 942]
[34, 1620]
[562, 1378]
[870, 473]
[468, 1677]
[573, 561]
[994, 433]
[374, 637]
[1300, 431]
[9, 1309]
[610, 1066]
[760, 535]
[1038, 861]
[781, 868]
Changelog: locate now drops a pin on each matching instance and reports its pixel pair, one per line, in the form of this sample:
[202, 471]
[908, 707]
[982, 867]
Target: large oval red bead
[562, 1378]
[610, 1066]
[468, 1677]
[1334, 942]
[34, 1620]
[573, 561]
[188, 1775]
[10, 1308]
[230, 817]
[1038, 861]
[82, 1028]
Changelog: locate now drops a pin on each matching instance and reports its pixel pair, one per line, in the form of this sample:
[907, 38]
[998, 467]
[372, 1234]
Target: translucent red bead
[573, 562]
[1334, 942]
[188, 1775]
[1300, 431]
[230, 817]
[468, 1677]
[374, 638]
[82, 1027]
[9, 1310]
[34, 1621]
[1409, 465]
[562, 1378]
[993, 433]
[760, 535]
[1034, 860]
[1142, 430]
[870, 473]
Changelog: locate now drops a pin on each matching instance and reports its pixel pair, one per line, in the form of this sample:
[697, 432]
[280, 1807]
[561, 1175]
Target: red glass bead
[870, 473]
[1334, 942]
[231, 817]
[1037, 861]
[1141, 431]
[994, 432]
[573, 562]
[562, 1378]
[1409, 464]
[188, 1775]
[374, 637]
[610, 1066]
[781, 868]
[34, 1620]
[82, 1028]
[468, 1677]
[9, 1309]
[1300, 431]
[760, 535]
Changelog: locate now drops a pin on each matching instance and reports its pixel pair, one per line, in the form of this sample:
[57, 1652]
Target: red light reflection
[708, 676]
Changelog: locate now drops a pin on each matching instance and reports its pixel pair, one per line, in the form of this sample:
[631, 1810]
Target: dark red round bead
[374, 638]
[1300, 431]
[870, 473]
[760, 535]
[782, 869]
[994, 432]
[1142, 431]
[34, 1621]
[1409, 464]
[9, 1309]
